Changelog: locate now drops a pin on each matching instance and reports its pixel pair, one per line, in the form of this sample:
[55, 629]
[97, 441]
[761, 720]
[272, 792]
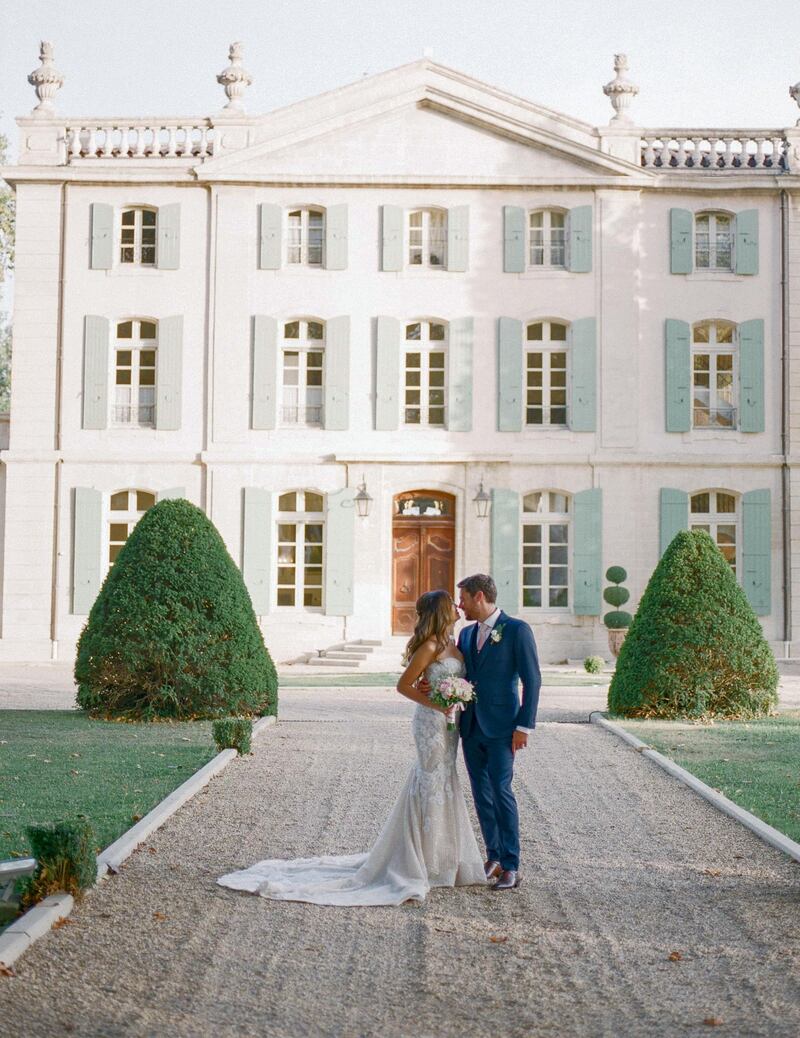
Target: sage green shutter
[102, 250]
[513, 239]
[172, 493]
[583, 376]
[509, 375]
[257, 547]
[387, 374]
[678, 354]
[458, 238]
[673, 516]
[169, 373]
[270, 226]
[392, 237]
[459, 375]
[751, 376]
[579, 254]
[337, 374]
[264, 409]
[95, 372]
[87, 548]
[336, 237]
[757, 550]
[168, 223]
[747, 241]
[680, 246]
[340, 521]
[505, 535]
[588, 552]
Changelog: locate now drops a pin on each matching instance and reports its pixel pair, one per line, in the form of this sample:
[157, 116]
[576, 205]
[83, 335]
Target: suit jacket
[495, 673]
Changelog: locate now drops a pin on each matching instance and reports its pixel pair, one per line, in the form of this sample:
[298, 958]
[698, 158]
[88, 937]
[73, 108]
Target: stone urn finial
[794, 93]
[46, 80]
[234, 78]
[620, 90]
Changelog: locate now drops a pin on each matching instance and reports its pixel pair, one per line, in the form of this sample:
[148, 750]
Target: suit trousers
[490, 764]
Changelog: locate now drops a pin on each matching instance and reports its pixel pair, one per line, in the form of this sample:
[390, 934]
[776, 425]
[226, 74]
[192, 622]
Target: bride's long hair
[434, 620]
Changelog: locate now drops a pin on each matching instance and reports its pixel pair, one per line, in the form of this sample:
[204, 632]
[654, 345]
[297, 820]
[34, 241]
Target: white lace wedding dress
[427, 840]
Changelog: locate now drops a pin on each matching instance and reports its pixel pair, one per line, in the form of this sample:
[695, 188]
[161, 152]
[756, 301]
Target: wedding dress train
[427, 840]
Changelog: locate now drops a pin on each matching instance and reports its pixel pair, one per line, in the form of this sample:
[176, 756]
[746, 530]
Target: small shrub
[233, 733]
[172, 633]
[593, 664]
[617, 619]
[65, 860]
[695, 648]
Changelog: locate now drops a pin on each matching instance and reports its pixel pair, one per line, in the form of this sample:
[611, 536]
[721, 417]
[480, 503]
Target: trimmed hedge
[65, 860]
[695, 648]
[233, 733]
[172, 633]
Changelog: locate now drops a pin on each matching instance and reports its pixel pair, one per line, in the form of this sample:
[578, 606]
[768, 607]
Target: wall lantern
[482, 502]
[363, 499]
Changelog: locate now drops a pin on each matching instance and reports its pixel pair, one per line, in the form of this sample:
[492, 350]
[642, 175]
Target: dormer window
[305, 237]
[427, 238]
[138, 237]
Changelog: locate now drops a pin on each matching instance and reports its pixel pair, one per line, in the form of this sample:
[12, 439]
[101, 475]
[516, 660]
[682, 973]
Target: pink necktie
[483, 634]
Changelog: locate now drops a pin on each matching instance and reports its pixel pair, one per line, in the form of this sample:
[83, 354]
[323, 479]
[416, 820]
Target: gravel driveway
[622, 867]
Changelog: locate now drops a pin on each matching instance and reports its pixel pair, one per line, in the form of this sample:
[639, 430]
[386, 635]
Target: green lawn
[60, 763]
[367, 680]
[754, 763]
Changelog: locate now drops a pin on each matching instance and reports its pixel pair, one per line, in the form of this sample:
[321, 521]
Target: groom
[498, 651]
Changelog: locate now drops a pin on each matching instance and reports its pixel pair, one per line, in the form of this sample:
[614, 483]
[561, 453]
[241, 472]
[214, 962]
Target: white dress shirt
[487, 625]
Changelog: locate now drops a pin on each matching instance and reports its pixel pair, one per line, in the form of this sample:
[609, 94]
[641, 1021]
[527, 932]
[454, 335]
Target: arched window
[303, 372]
[425, 373]
[546, 374]
[713, 241]
[716, 512]
[545, 550]
[301, 529]
[305, 237]
[138, 237]
[427, 238]
[135, 373]
[126, 508]
[547, 242]
[714, 375]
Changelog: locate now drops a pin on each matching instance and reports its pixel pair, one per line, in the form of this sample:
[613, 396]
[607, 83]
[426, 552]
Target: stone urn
[616, 636]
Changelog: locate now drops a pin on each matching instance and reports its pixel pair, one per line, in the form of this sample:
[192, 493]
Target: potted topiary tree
[172, 632]
[695, 648]
[617, 621]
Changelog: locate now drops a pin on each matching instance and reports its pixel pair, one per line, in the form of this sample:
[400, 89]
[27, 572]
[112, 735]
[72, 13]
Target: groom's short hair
[480, 582]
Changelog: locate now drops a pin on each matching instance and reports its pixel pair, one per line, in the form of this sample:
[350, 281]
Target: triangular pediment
[419, 123]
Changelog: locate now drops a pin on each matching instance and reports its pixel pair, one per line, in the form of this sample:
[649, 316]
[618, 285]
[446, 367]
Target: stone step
[324, 661]
[339, 654]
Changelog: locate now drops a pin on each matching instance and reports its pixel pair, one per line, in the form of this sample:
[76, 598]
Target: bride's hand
[424, 686]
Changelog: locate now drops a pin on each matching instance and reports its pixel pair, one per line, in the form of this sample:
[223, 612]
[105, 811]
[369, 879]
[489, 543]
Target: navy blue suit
[487, 726]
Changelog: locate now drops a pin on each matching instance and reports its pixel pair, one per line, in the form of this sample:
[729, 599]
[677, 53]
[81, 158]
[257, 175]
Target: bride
[427, 840]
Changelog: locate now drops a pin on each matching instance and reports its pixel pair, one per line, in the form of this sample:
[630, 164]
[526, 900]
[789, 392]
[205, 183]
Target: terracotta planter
[616, 636]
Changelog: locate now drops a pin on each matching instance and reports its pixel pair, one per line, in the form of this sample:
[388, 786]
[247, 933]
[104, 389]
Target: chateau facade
[532, 346]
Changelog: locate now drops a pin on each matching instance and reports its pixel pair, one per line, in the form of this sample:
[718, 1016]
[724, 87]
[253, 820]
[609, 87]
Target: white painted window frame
[547, 238]
[299, 519]
[548, 346]
[138, 234]
[303, 245]
[714, 350]
[713, 241]
[136, 344]
[130, 517]
[546, 519]
[303, 345]
[425, 346]
[426, 238]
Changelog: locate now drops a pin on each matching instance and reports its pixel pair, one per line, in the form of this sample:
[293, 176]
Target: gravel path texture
[643, 911]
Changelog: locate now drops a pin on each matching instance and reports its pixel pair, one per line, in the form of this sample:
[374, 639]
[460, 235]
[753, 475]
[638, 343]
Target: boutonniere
[497, 634]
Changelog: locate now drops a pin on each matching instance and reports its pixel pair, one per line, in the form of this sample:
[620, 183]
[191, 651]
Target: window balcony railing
[714, 417]
[301, 415]
[127, 414]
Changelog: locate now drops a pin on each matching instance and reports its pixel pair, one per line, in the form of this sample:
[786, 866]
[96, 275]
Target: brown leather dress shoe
[508, 880]
[492, 869]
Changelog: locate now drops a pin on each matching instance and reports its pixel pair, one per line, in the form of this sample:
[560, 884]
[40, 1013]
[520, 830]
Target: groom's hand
[519, 740]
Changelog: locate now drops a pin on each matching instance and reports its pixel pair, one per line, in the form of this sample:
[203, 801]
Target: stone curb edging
[37, 921]
[765, 832]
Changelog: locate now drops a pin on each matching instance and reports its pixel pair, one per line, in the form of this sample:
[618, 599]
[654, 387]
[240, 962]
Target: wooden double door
[423, 552]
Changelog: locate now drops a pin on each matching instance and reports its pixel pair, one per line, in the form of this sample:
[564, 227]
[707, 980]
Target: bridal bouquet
[454, 694]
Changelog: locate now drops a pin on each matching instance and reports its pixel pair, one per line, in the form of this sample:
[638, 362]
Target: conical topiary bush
[172, 632]
[695, 647]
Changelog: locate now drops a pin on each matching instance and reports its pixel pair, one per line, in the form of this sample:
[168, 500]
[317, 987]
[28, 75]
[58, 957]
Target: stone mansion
[410, 329]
